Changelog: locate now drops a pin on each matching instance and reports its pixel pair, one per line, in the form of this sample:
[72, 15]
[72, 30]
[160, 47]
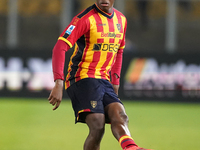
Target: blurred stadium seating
[39, 25]
[46, 15]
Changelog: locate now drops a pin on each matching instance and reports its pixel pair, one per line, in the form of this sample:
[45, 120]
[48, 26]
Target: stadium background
[161, 63]
[162, 38]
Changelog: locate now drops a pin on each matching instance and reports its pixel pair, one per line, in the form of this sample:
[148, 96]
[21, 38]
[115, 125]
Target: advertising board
[144, 77]
[161, 77]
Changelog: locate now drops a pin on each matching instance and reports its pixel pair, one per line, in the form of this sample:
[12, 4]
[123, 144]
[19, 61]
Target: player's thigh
[86, 97]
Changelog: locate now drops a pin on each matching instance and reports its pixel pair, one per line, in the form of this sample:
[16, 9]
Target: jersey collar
[104, 13]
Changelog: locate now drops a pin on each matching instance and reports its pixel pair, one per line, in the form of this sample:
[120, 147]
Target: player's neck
[109, 11]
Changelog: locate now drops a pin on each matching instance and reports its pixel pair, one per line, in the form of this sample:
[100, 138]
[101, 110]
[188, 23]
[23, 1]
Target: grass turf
[30, 124]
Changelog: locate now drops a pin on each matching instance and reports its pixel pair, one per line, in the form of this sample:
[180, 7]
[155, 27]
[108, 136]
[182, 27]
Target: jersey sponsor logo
[97, 47]
[106, 47]
[102, 24]
[111, 34]
[70, 29]
[93, 104]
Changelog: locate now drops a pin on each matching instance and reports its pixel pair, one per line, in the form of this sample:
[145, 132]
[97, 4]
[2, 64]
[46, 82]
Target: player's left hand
[56, 94]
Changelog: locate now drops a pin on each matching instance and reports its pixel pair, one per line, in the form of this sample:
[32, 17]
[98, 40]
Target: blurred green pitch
[30, 124]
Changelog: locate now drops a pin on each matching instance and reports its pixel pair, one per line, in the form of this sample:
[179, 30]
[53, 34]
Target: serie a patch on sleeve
[70, 29]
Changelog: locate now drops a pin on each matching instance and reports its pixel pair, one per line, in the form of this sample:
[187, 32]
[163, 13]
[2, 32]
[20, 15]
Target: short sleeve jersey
[97, 37]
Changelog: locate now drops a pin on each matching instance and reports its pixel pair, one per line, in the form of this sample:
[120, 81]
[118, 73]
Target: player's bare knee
[97, 129]
[124, 118]
[120, 118]
[97, 126]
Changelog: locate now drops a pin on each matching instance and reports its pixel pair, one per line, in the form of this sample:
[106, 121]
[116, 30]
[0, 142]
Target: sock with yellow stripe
[126, 141]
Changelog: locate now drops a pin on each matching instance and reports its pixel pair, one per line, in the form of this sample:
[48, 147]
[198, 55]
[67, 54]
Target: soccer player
[98, 33]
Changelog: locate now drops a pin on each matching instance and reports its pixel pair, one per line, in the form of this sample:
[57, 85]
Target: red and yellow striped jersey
[97, 37]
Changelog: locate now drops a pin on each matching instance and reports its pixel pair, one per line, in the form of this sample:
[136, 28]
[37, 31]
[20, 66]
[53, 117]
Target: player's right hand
[56, 94]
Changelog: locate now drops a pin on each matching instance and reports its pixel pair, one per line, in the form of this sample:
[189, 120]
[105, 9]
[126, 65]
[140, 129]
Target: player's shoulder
[83, 16]
[86, 12]
[119, 13]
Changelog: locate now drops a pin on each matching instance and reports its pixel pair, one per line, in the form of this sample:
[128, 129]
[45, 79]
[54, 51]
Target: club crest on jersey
[70, 29]
[93, 103]
[119, 27]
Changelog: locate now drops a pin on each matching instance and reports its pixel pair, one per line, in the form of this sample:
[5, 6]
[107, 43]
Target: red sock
[126, 141]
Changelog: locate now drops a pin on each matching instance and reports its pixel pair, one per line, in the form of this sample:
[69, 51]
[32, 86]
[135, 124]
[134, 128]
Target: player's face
[106, 5]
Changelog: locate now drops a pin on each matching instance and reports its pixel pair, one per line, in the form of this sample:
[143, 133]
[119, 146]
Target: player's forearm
[116, 88]
[116, 69]
[58, 59]
[59, 83]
